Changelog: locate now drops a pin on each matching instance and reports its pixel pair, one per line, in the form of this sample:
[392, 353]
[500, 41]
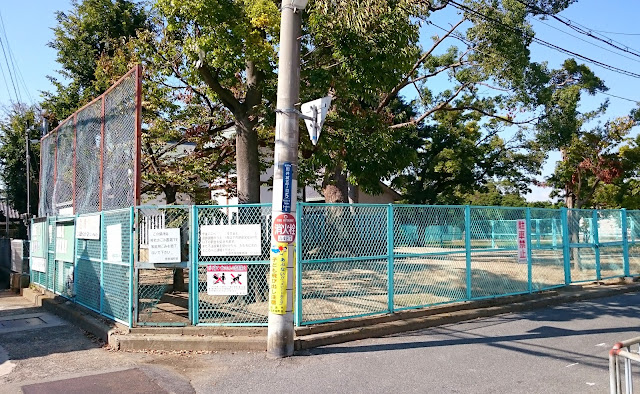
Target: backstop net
[91, 161]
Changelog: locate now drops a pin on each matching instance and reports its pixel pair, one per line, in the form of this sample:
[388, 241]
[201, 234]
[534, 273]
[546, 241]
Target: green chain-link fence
[352, 260]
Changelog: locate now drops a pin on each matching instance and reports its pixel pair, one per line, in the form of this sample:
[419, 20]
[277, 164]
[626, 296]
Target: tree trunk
[247, 161]
[335, 188]
[170, 192]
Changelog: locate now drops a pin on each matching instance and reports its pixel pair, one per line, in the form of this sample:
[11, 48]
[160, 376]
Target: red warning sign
[284, 228]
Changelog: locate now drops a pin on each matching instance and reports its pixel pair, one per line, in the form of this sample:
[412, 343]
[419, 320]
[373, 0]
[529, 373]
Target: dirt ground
[333, 290]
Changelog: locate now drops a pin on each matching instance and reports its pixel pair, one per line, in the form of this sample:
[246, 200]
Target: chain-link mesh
[51, 258]
[582, 254]
[116, 272]
[88, 141]
[47, 164]
[547, 252]
[437, 273]
[338, 231]
[338, 277]
[89, 272]
[633, 237]
[234, 309]
[63, 189]
[333, 290]
[496, 271]
[119, 170]
[610, 241]
[429, 279]
[103, 149]
[427, 229]
[162, 293]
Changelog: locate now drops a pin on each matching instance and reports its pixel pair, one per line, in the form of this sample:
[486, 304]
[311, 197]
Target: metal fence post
[596, 242]
[467, 244]
[133, 246]
[564, 217]
[625, 242]
[297, 312]
[390, 271]
[102, 242]
[529, 245]
[75, 258]
[493, 234]
[194, 274]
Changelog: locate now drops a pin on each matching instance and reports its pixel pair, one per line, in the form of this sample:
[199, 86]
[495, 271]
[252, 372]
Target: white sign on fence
[114, 243]
[522, 240]
[164, 245]
[227, 279]
[88, 227]
[39, 264]
[231, 240]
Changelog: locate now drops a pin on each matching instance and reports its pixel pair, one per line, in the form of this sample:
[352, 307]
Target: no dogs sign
[227, 279]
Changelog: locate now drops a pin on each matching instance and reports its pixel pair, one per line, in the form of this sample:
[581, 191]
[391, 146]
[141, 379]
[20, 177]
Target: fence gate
[162, 266]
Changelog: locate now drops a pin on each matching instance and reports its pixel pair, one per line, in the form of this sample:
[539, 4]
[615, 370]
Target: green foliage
[91, 30]
[593, 164]
[13, 159]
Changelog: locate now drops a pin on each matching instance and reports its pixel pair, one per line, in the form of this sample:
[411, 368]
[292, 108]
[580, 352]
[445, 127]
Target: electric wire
[6, 59]
[546, 43]
[16, 69]
[456, 34]
[582, 29]
[588, 42]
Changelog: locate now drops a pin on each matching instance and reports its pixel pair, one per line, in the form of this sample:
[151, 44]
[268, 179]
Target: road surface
[562, 349]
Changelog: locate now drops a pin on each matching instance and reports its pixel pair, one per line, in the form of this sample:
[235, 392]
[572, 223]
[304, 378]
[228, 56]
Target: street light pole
[280, 330]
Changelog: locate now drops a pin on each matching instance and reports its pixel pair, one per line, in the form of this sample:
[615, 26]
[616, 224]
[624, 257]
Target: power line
[460, 37]
[588, 42]
[6, 59]
[581, 29]
[546, 43]
[16, 70]
[621, 98]
[612, 32]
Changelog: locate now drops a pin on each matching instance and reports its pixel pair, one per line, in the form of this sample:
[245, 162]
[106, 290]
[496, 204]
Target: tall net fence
[91, 161]
[351, 260]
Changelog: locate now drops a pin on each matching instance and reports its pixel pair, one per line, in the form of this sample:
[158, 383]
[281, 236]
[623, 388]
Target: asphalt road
[562, 349]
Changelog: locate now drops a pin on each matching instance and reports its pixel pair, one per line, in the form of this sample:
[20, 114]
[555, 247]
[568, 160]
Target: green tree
[226, 51]
[595, 165]
[91, 30]
[369, 55]
[19, 121]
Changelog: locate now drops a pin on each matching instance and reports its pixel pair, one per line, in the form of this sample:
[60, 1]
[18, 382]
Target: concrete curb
[254, 338]
[77, 315]
[174, 342]
[370, 328]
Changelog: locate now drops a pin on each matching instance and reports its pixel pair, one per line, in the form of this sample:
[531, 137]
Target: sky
[28, 24]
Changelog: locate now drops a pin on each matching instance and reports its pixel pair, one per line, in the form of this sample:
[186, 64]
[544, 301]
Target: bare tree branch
[438, 107]
[387, 97]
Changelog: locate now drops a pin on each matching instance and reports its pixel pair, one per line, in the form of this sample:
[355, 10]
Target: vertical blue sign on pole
[287, 173]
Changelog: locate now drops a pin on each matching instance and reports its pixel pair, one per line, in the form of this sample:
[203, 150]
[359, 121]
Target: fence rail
[351, 260]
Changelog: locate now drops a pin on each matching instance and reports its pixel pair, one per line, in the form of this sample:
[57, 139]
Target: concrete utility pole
[284, 226]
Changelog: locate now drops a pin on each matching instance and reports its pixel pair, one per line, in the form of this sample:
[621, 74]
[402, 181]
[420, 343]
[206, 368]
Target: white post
[280, 333]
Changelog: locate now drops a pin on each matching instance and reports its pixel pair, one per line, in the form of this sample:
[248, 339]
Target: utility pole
[283, 235]
[26, 145]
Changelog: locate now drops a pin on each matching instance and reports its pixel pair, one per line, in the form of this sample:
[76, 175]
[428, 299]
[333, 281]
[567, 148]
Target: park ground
[562, 349]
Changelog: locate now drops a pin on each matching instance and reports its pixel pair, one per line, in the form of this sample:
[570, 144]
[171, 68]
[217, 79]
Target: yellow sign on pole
[278, 288]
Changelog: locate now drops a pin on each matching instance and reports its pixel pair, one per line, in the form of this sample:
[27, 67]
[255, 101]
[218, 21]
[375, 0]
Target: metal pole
[26, 140]
[280, 333]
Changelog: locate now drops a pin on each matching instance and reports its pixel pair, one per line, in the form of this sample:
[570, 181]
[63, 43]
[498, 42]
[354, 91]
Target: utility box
[20, 256]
